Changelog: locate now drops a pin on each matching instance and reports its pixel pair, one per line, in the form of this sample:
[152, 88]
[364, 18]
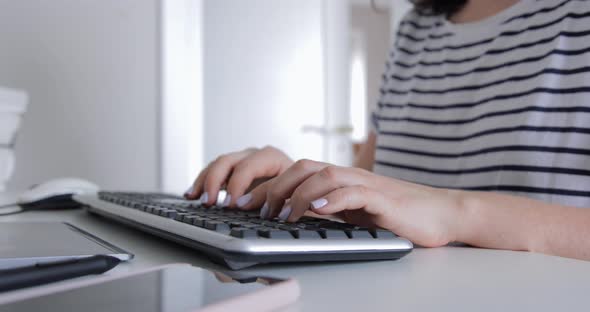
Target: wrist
[495, 221]
[465, 205]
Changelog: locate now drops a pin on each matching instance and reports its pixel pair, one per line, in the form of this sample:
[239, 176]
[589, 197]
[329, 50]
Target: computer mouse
[55, 194]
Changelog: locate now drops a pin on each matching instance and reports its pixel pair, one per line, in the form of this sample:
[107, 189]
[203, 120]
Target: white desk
[444, 279]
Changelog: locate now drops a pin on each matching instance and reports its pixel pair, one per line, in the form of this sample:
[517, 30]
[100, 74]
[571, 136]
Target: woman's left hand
[425, 215]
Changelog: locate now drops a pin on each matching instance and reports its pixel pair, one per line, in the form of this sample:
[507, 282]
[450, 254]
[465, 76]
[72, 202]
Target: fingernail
[189, 191]
[264, 211]
[285, 213]
[319, 203]
[244, 200]
[204, 198]
[226, 201]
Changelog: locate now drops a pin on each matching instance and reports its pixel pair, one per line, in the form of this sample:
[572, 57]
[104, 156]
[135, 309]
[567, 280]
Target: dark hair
[439, 7]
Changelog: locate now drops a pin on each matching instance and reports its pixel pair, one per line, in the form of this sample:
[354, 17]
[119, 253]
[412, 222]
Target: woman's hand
[425, 215]
[237, 172]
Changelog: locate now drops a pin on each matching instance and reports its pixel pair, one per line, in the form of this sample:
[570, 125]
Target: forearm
[366, 155]
[517, 223]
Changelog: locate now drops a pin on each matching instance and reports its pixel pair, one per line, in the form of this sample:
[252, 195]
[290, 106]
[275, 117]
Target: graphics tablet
[29, 243]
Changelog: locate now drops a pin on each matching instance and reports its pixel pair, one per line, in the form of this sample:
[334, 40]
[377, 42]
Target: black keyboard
[239, 238]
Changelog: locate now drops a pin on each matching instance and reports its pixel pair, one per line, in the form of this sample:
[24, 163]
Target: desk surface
[444, 279]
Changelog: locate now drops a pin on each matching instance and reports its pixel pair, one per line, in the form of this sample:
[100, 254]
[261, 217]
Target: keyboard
[239, 239]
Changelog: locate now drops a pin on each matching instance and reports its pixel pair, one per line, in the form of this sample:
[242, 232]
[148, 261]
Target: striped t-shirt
[501, 104]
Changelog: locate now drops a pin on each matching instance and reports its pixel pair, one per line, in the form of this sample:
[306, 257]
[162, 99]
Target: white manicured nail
[264, 211]
[319, 203]
[244, 200]
[190, 190]
[226, 201]
[204, 198]
[284, 215]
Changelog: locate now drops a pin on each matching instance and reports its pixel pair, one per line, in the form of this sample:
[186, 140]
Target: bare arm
[366, 155]
[518, 223]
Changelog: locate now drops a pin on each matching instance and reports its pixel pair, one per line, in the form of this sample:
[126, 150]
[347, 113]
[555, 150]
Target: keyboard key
[199, 213]
[188, 219]
[359, 233]
[199, 221]
[285, 227]
[306, 234]
[250, 225]
[194, 220]
[217, 226]
[243, 233]
[139, 206]
[274, 233]
[162, 211]
[169, 213]
[180, 216]
[157, 210]
[335, 234]
[380, 233]
[243, 224]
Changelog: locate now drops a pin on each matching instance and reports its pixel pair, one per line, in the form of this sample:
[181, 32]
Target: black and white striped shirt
[501, 104]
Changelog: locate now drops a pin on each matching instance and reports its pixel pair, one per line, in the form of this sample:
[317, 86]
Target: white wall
[91, 67]
[182, 95]
[91, 70]
[263, 75]
[375, 40]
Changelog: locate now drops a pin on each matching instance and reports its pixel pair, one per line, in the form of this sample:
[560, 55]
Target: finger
[254, 199]
[219, 171]
[256, 183]
[261, 164]
[352, 198]
[321, 183]
[196, 188]
[284, 185]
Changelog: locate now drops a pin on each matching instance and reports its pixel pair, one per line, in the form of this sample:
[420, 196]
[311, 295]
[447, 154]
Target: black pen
[44, 273]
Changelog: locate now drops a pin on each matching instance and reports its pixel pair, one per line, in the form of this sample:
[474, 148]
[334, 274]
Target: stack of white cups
[13, 104]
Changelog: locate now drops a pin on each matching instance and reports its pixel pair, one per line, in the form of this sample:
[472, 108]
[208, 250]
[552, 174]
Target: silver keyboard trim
[240, 245]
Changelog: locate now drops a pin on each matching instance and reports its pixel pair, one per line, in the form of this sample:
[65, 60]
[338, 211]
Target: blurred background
[141, 94]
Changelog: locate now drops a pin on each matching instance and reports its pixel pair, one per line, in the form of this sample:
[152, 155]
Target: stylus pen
[44, 273]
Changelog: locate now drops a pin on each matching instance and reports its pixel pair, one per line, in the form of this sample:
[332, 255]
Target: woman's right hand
[237, 172]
